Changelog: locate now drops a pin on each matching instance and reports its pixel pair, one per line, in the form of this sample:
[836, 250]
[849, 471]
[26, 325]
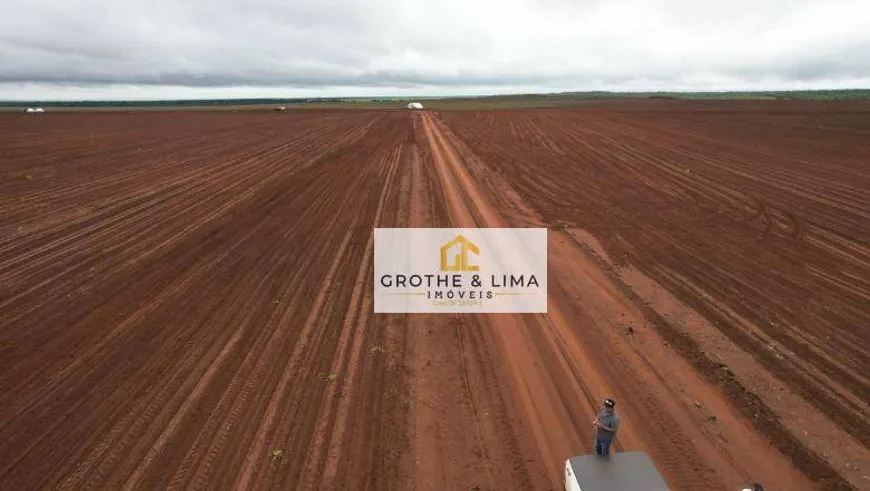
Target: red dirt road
[182, 294]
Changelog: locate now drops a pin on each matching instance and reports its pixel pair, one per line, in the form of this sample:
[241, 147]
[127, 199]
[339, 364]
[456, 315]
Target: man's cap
[609, 402]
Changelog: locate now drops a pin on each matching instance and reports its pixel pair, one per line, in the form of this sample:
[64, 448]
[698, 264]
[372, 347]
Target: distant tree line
[171, 103]
[845, 94]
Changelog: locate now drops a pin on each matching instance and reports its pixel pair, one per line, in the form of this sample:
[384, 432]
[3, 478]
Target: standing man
[606, 426]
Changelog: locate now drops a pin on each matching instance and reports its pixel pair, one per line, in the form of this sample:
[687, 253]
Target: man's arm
[614, 421]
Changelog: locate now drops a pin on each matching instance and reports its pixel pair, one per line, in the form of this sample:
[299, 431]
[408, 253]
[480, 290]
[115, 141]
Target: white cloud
[102, 49]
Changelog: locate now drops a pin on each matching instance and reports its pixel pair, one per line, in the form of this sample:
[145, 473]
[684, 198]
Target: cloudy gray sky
[146, 49]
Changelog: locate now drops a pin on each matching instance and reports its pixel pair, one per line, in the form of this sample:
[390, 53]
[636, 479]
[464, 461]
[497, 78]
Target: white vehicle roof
[623, 471]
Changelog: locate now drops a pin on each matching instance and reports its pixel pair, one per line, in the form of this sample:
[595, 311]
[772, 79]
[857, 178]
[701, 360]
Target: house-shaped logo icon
[460, 256]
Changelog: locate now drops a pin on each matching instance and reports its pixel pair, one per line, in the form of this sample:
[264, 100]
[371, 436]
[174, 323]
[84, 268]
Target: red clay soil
[185, 298]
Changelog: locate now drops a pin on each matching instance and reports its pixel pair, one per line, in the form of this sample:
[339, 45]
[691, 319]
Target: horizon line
[430, 97]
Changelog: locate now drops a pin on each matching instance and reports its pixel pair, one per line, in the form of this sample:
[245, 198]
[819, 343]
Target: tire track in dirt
[440, 457]
[553, 337]
[469, 209]
[322, 466]
[591, 188]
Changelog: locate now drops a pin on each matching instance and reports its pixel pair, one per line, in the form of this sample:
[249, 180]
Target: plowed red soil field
[186, 298]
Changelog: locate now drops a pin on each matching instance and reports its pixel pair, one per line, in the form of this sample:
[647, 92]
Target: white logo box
[460, 270]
